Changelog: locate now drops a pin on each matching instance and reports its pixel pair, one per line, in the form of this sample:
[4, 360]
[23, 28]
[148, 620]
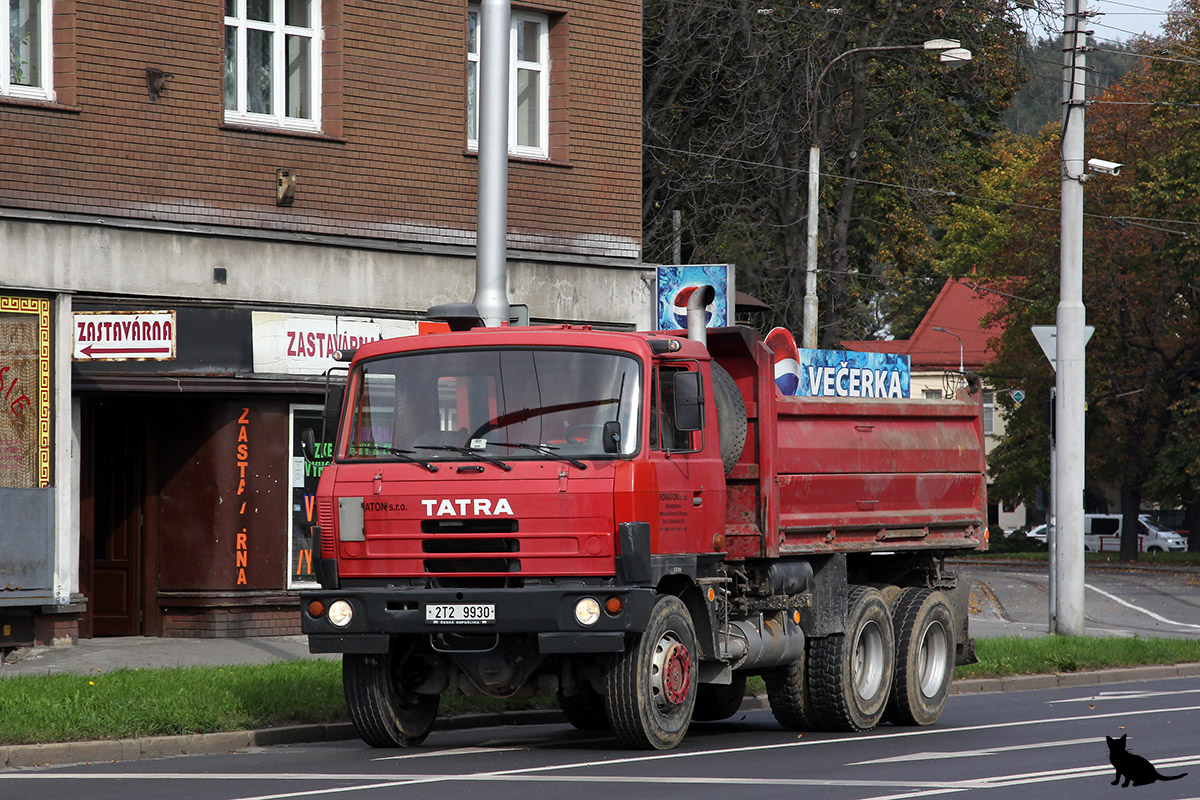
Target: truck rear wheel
[384, 713]
[787, 693]
[718, 701]
[651, 689]
[584, 709]
[924, 657]
[850, 673]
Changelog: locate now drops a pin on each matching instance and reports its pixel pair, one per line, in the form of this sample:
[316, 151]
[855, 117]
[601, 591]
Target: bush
[1014, 543]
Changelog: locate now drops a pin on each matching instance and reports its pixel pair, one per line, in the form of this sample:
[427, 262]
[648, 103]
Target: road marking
[532, 773]
[986, 751]
[1129, 695]
[1145, 611]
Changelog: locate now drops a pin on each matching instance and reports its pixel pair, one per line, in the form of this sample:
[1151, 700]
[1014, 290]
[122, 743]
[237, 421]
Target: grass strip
[1017, 655]
[131, 703]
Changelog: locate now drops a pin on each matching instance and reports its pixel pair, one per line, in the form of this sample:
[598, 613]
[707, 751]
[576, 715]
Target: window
[663, 433]
[989, 411]
[528, 84]
[273, 63]
[931, 394]
[26, 68]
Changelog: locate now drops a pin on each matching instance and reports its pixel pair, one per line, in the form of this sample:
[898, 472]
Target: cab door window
[664, 434]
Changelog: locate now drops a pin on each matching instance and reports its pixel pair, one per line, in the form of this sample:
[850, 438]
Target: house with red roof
[951, 341]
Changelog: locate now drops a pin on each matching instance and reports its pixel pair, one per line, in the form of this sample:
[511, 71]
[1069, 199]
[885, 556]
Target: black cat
[1134, 768]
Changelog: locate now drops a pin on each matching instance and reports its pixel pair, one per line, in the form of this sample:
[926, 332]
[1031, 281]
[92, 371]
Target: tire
[383, 713]
[787, 692]
[718, 701]
[651, 688]
[584, 709]
[850, 674]
[731, 416]
[925, 652]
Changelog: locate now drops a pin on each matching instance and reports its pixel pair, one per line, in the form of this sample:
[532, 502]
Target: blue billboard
[836, 373]
[675, 286]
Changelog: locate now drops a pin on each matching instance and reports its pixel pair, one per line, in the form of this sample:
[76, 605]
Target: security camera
[1107, 167]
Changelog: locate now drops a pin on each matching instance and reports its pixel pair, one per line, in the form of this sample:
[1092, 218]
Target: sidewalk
[145, 652]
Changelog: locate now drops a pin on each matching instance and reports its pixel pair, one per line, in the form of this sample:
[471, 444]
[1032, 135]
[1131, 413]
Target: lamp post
[960, 347]
[950, 53]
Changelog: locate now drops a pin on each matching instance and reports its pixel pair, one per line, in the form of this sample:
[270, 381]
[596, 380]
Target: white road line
[1129, 695]
[1138, 608]
[532, 773]
[938, 755]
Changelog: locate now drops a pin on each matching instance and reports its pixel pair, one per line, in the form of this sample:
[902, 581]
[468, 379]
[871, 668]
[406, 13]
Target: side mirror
[611, 438]
[689, 401]
[334, 395]
[308, 444]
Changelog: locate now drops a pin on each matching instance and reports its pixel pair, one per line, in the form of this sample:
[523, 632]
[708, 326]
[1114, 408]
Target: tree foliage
[1141, 279]
[732, 105]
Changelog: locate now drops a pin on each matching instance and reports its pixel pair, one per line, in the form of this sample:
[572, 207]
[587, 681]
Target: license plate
[460, 613]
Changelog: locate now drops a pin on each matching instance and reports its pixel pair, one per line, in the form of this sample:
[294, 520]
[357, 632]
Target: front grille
[469, 526]
[471, 556]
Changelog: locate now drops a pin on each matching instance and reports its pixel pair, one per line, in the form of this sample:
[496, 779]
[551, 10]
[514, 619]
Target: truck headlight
[340, 613]
[587, 611]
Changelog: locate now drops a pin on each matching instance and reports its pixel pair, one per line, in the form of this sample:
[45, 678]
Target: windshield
[488, 405]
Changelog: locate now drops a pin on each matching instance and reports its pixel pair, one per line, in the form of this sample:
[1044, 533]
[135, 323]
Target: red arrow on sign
[89, 351]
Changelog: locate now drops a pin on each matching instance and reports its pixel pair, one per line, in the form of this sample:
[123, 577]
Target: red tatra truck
[637, 522]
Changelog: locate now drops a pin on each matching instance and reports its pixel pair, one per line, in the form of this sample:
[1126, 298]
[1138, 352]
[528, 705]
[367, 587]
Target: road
[991, 747]
[1012, 598]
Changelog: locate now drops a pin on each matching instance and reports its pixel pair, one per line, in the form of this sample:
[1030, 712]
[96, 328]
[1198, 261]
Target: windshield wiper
[545, 450]
[466, 451]
[403, 455]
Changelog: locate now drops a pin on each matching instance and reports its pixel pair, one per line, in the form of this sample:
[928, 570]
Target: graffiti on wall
[24, 392]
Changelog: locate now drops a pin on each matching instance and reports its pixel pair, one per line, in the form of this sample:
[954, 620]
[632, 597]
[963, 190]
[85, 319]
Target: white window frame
[989, 412]
[542, 66]
[45, 90]
[279, 33]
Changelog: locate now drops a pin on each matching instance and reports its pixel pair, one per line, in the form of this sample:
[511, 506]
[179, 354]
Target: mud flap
[960, 607]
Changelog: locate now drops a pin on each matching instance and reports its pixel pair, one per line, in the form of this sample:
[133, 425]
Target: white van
[1102, 533]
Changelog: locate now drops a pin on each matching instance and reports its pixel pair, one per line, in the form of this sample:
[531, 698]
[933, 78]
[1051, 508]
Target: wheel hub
[671, 679]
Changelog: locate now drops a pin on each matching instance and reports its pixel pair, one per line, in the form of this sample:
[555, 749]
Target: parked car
[1102, 533]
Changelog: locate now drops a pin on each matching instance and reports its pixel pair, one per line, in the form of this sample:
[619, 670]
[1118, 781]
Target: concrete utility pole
[491, 227]
[1069, 382]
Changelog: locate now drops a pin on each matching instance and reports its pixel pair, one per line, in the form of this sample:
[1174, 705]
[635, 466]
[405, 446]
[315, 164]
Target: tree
[729, 118]
[1141, 271]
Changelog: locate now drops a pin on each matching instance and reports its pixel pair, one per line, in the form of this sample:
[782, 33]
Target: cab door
[691, 479]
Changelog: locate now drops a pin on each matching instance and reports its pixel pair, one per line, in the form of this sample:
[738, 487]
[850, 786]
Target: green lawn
[132, 703]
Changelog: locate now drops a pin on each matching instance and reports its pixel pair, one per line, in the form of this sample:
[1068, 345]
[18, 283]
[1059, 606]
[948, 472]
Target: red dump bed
[827, 475]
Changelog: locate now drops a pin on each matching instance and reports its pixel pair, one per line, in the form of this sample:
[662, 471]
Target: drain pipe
[698, 300]
[491, 279]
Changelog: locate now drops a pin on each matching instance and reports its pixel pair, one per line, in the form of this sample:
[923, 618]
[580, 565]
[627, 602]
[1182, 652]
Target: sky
[1119, 20]
[1123, 19]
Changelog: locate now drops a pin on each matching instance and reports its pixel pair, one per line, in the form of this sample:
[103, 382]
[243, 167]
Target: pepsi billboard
[836, 373]
[675, 286]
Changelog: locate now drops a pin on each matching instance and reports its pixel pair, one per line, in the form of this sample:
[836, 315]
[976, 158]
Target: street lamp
[960, 347]
[949, 53]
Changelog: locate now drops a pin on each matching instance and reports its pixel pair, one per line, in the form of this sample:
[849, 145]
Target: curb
[62, 753]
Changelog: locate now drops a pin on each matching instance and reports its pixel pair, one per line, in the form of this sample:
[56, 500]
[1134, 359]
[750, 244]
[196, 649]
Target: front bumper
[549, 612]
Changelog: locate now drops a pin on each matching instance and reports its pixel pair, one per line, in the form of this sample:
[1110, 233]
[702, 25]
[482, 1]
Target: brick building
[198, 202]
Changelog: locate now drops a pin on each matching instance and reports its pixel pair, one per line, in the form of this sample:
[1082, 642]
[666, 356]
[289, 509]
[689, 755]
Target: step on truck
[636, 523]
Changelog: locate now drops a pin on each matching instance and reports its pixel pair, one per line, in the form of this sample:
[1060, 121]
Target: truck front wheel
[651, 690]
[924, 657]
[850, 674]
[384, 712]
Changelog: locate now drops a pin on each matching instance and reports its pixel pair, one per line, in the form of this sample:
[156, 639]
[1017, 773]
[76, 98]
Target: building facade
[199, 203]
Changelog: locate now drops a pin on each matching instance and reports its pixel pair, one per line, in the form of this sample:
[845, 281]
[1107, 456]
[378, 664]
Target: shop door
[118, 478]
